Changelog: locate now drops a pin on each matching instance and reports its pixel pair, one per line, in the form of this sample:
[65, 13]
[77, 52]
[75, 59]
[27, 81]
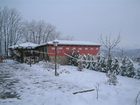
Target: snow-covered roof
[27, 45]
[69, 42]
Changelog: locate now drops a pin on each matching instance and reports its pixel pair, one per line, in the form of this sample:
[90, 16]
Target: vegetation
[14, 29]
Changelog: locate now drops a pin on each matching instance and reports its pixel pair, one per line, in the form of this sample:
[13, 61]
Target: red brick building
[65, 47]
[47, 51]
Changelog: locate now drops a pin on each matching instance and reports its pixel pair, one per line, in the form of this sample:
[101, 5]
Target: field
[21, 84]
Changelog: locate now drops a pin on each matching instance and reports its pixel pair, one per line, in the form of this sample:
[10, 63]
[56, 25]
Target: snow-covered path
[37, 85]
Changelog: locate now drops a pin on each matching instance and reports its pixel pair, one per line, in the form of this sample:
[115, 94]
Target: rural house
[65, 48]
[24, 52]
[47, 50]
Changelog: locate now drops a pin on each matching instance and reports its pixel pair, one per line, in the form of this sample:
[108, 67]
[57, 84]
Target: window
[86, 48]
[67, 48]
[60, 48]
[53, 48]
[80, 48]
[73, 48]
[96, 48]
[91, 48]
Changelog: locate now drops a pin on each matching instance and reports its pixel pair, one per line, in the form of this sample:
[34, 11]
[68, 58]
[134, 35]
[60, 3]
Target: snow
[69, 42]
[61, 42]
[24, 45]
[38, 86]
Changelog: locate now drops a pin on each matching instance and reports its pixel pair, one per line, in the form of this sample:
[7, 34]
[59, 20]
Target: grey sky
[86, 19]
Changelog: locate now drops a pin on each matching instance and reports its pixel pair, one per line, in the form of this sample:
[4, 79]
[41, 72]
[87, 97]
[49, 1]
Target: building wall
[65, 49]
[62, 50]
[42, 52]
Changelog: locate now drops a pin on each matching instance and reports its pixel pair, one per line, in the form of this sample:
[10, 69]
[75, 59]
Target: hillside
[37, 85]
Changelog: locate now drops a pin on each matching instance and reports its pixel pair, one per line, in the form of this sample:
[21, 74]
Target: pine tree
[130, 69]
[91, 62]
[123, 67]
[85, 63]
[101, 64]
[127, 68]
[137, 76]
[74, 55]
[112, 68]
[115, 66]
[112, 78]
[80, 65]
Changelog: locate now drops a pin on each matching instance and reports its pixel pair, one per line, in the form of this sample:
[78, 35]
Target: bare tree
[13, 30]
[1, 36]
[15, 27]
[39, 32]
[10, 25]
[110, 44]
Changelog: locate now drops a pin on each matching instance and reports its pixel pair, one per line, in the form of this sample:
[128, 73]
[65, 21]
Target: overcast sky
[86, 19]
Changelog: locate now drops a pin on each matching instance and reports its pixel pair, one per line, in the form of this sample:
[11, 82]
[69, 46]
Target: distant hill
[133, 53]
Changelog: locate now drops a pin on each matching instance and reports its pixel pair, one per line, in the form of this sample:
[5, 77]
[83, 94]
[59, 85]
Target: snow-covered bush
[112, 68]
[115, 66]
[137, 76]
[112, 78]
[100, 64]
[48, 65]
[80, 65]
[127, 68]
[85, 59]
[74, 55]
[124, 66]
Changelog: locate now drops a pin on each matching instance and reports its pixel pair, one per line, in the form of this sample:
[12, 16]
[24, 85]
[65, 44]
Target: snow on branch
[79, 59]
[108, 43]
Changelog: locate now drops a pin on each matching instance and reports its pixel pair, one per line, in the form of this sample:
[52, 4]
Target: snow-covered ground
[37, 85]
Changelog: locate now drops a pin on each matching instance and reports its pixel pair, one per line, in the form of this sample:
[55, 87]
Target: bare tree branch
[10, 21]
[39, 32]
[110, 44]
